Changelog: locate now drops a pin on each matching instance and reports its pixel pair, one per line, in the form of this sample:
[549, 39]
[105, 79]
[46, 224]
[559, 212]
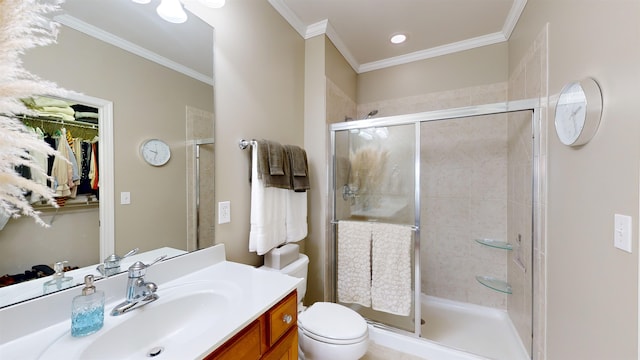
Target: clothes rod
[80, 124]
[243, 144]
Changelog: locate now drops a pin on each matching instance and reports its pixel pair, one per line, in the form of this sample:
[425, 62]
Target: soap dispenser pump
[58, 280]
[87, 310]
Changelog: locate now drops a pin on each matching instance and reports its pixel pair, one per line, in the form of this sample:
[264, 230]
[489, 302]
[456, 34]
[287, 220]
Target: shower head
[371, 114]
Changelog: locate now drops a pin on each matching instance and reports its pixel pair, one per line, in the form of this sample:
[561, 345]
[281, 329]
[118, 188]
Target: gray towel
[298, 167]
[265, 148]
[276, 157]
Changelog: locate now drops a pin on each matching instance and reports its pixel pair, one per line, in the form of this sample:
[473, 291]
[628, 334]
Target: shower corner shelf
[494, 284]
[495, 244]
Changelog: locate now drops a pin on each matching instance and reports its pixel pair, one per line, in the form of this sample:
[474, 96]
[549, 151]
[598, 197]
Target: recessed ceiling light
[398, 38]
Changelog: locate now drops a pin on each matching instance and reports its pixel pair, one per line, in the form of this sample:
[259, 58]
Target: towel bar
[413, 227]
[243, 144]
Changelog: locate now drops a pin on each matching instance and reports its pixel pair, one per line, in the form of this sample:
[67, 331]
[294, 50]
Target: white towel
[296, 219]
[268, 212]
[354, 262]
[391, 268]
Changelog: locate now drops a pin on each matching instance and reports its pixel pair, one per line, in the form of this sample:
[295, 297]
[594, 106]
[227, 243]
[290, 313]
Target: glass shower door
[374, 178]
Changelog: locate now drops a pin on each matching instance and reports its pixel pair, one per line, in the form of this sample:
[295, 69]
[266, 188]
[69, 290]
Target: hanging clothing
[62, 171]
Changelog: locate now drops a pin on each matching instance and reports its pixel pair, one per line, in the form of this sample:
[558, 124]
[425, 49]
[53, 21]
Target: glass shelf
[495, 244]
[494, 284]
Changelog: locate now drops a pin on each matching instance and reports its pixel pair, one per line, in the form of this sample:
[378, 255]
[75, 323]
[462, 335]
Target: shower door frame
[416, 119]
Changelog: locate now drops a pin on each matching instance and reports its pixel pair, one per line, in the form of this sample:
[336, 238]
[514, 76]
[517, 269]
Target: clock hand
[573, 113]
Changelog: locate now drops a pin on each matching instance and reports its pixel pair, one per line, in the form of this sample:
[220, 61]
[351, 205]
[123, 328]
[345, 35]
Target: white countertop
[255, 292]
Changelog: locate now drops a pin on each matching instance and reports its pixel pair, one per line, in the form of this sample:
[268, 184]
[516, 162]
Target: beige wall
[340, 73]
[315, 141]
[23, 243]
[259, 71]
[340, 81]
[592, 299]
[481, 66]
[149, 101]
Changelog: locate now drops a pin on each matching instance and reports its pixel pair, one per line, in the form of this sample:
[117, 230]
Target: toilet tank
[298, 269]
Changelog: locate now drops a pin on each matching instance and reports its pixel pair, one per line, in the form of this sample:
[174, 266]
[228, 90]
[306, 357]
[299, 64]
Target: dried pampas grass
[23, 25]
[367, 170]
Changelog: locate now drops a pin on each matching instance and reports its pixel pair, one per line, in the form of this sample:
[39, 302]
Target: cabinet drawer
[286, 348]
[244, 346]
[282, 317]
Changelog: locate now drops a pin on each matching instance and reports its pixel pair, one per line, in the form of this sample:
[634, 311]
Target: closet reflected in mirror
[80, 130]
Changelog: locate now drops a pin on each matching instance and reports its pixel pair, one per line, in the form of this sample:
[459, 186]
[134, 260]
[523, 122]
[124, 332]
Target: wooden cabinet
[273, 336]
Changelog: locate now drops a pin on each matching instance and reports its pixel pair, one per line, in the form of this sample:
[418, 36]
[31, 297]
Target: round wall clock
[155, 152]
[578, 112]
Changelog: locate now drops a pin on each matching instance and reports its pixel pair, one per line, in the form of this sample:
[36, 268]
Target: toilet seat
[333, 324]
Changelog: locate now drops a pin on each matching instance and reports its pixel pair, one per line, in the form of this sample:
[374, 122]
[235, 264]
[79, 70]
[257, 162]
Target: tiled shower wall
[463, 198]
[463, 192]
[529, 80]
[520, 185]
[340, 106]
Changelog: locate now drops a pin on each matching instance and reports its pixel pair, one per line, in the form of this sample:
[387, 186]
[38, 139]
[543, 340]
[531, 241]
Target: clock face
[571, 113]
[155, 152]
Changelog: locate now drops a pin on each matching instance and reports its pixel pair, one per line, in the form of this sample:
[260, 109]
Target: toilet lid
[332, 321]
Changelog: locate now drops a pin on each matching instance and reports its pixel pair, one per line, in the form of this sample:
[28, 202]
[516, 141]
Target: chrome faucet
[139, 292]
[111, 264]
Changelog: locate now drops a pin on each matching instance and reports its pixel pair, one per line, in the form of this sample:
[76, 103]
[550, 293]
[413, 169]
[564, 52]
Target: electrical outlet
[622, 232]
[224, 212]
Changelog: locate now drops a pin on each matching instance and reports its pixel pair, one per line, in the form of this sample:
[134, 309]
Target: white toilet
[326, 331]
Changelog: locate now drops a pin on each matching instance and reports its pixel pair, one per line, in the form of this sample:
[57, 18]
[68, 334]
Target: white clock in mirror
[155, 152]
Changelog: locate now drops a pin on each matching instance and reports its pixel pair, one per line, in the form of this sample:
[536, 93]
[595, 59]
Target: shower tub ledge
[419, 347]
[447, 345]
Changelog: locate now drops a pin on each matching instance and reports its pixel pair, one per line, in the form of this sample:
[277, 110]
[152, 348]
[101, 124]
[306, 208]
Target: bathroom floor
[377, 352]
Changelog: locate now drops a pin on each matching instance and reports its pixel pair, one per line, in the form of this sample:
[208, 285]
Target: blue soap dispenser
[58, 280]
[87, 310]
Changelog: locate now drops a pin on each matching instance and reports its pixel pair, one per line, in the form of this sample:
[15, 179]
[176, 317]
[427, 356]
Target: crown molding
[290, 17]
[325, 27]
[476, 42]
[114, 40]
[316, 29]
[512, 17]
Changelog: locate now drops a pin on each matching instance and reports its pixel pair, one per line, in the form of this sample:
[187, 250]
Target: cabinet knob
[287, 318]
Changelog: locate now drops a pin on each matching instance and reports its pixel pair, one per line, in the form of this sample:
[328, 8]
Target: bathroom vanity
[208, 308]
[274, 335]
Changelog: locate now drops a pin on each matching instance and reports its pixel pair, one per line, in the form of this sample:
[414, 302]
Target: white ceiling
[360, 29]
[137, 28]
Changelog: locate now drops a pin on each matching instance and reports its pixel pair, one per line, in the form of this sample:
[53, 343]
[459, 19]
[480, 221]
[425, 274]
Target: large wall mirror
[149, 79]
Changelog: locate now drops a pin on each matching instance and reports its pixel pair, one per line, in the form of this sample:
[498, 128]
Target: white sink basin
[163, 327]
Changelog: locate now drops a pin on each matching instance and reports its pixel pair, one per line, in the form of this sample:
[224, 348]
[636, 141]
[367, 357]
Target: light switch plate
[622, 232]
[224, 212]
[125, 198]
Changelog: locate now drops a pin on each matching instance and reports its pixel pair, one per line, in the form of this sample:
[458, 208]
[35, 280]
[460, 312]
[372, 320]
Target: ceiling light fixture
[398, 38]
[216, 4]
[172, 10]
